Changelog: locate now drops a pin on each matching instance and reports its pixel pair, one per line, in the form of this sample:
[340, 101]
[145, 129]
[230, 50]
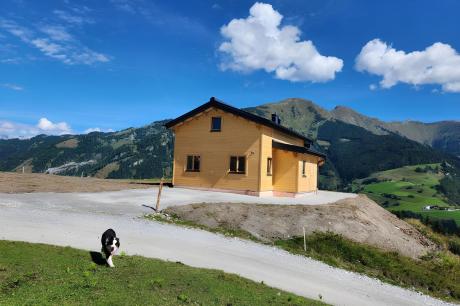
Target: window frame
[212, 124]
[237, 164]
[195, 158]
[269, 166]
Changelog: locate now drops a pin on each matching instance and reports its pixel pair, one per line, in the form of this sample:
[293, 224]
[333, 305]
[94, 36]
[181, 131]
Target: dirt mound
[11, 182]
[359, 219]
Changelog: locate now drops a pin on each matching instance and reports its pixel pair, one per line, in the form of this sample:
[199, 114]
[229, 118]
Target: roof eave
[213, 102]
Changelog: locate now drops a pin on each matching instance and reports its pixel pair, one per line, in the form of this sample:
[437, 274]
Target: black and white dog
[110, 244]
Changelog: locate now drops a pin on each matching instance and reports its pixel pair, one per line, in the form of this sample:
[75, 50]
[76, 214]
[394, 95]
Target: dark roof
[298, 149]
[213, 102]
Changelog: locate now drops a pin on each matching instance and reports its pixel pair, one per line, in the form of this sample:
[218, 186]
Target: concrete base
[270, 193]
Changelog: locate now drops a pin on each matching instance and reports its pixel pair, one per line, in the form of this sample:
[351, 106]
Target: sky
[81, 66]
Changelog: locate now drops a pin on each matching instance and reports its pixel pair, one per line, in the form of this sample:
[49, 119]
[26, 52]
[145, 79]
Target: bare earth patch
[11, 182]
[359, 219]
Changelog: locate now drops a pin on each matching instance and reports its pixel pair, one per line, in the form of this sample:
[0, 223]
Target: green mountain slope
[132, 153]
[412, 188]
[443, 135]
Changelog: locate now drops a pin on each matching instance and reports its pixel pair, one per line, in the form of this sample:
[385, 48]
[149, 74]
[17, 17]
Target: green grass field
[413, 190]
[38, 274]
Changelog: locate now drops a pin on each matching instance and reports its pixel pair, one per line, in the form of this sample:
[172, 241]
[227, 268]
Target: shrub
[370, 181]
[443, 226]
[454, 246]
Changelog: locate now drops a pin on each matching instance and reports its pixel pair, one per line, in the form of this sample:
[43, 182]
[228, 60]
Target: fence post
[157, 208]
[304, 240]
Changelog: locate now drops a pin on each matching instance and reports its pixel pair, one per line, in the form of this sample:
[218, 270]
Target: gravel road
[77, 220]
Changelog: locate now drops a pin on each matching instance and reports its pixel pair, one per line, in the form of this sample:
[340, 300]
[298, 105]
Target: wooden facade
[237, 157]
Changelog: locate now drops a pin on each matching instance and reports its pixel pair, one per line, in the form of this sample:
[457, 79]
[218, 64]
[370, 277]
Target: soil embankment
[359, 219]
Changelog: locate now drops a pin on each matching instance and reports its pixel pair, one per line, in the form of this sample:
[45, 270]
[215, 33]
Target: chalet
[220, 147]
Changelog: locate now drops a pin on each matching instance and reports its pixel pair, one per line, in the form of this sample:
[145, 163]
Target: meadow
[42, 274]
[410, 188]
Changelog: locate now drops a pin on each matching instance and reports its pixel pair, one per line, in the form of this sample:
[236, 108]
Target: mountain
[443, 135]
[356, 146]
[140, 153]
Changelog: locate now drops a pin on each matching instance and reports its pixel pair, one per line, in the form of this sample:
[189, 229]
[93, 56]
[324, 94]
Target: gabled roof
[297, 149]
[213, 102]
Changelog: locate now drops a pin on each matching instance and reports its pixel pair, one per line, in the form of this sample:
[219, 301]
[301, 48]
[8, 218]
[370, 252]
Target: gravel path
[77, 220]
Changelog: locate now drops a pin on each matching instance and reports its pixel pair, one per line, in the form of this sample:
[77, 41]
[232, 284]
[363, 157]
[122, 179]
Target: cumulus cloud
[9, 129]
[437, 64]
[259, 42]
[54, 128]
[56, 42]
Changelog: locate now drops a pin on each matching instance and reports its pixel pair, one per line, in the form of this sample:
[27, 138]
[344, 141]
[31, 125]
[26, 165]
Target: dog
[110, 244]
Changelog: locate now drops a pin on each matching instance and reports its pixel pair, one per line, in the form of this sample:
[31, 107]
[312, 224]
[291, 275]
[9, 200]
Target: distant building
[221, 147]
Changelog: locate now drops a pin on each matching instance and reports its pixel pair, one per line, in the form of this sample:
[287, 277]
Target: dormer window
[216, 124]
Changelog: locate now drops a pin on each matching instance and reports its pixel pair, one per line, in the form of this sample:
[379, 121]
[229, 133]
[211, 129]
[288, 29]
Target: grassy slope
[43, 274]
[415, 190]
[437, 274]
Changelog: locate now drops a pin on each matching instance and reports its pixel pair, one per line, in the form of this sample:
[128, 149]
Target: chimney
[276, 119]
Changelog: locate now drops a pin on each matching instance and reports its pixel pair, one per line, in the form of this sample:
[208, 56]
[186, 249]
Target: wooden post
[23, 170]
[304, 240]
[157, 208]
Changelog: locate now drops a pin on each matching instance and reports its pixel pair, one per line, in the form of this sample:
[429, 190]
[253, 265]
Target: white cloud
[12, 86]
[58, 33]
[73, 18]
[373, 87]
[260, 42]
[97, 129]
[90, 130]
[124, 5]
[54, 128]
[9, 129]
[57, 43]
[437, 64]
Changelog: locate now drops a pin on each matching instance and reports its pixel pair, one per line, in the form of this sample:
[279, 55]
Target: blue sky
[112, 64]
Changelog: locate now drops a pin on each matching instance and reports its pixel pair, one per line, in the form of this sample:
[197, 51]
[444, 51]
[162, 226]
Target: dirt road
[77, 220]
[12, 182]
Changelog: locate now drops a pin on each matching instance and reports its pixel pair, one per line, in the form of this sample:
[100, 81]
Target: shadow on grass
[97, 258]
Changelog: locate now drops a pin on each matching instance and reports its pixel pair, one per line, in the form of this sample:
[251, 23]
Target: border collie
[110, 244]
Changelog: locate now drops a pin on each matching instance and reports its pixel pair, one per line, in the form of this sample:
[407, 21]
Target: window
[304, 163]
[238, 164]
[269, 166]
[216, 124]
[193, 163]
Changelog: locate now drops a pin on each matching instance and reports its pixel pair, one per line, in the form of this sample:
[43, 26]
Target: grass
[41, 274]
[413, 190]
[437, 274]
[173, 219]
[148, 181]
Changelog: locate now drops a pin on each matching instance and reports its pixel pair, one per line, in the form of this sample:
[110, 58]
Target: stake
[157, 208]
[304, 240]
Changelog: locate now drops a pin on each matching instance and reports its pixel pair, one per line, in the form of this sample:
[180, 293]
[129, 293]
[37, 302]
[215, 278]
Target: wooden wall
[238, 137]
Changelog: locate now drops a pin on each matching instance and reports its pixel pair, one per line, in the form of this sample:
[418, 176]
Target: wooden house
[224, 148]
